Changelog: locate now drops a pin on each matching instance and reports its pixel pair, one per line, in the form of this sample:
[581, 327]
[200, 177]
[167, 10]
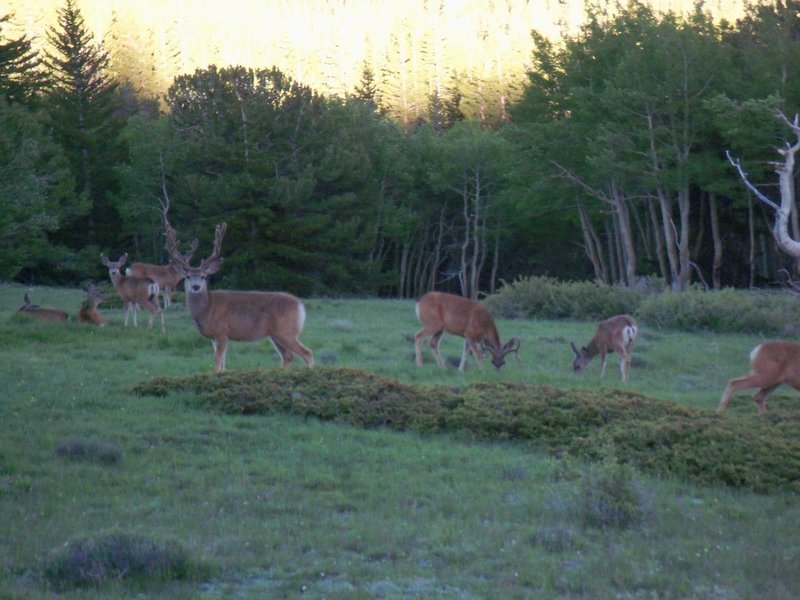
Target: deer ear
[123, 259]
[574, 349]
[512, 345]
[213, 266]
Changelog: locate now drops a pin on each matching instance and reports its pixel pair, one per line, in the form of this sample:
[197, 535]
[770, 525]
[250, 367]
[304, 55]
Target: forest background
[368, 151]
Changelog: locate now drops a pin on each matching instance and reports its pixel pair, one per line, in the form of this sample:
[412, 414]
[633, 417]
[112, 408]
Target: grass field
[283, 507]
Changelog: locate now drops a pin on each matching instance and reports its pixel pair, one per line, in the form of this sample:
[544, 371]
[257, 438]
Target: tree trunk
[594, 249]
[716, 269]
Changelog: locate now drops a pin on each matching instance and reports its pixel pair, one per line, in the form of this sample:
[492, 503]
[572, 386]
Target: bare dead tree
[783, 211]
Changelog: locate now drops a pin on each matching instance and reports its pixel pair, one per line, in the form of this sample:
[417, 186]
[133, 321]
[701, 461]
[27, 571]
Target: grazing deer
[440, 312]
[224, 315]
[89, 312]
[45, 314]
[617, 334]
[772, 364]
[166, 276]
[134, 291]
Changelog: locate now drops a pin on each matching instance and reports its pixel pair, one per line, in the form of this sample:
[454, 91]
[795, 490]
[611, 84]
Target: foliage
[692, 310]
[90, 450]
[81, 106]
[21, 78]
[769, 313]
[97, 562]
[549, 298]
[36, 195]
[610, 497]
[656, 436]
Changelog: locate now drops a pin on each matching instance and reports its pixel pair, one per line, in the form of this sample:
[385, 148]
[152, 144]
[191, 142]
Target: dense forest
[605, 160]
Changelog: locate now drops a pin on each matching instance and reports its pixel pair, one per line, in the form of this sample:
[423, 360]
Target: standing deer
[772, 364]
[89, 312]
[224, 315]
[45, 314]
[134, 291]
[617, 334]
[166, 276]
[440, 312]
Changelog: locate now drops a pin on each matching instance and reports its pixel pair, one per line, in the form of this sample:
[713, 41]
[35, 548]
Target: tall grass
[282, 506]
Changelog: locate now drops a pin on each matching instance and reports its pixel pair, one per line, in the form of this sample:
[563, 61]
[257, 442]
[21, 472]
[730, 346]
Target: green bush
[726, 310]
[609, 497]
[657, 436]
[548, 298]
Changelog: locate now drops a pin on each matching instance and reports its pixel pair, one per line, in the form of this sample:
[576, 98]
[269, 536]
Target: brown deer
[45, 314]
[225, 315]
[440, 312]
[617, 334]
[772, 364]
[134, 291]
[166, 276]
[89, 312]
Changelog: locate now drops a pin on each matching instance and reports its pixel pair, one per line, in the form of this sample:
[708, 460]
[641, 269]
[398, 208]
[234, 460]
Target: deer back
[776, 362]
[247, 316]
[45, 314]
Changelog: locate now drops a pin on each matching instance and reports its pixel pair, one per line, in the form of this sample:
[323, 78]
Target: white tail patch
[754, 352]
[629, 334]
[301, 316]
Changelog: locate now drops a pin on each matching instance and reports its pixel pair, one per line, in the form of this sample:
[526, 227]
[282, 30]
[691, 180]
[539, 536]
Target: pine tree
[83, 102]
[21, 78]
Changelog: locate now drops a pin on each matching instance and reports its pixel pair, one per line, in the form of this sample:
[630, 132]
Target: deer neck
[592, 348]
[199, 305]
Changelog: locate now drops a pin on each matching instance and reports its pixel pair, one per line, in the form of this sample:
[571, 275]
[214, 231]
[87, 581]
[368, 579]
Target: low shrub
[727, 310]
[548, 298]
[609, 497]
[89, 450]
[657, 436]
[117, 557]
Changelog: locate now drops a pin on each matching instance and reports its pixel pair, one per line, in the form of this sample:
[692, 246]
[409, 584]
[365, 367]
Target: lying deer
[224, 315]
[89, 312]
[439, 313]
[617, 334]
[772, 364]
[166, 276]
[134, 291]
[45, 314]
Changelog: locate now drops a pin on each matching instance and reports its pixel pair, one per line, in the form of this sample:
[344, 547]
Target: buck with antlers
[134, 291]
[772, 364]
[225, 315]
[89, 312]
[442, 313]
[166, 276]
[617, 334]
[45, 314]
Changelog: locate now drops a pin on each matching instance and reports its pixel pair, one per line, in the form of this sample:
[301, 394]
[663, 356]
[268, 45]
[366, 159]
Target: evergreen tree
[21, 78]
[82, 106]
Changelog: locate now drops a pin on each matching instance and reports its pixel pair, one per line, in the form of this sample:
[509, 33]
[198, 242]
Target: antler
[215, 255]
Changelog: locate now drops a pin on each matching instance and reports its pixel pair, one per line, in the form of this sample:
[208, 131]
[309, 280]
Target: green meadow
[109, 491]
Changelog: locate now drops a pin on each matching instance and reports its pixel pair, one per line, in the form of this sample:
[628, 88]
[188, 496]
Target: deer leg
[475, 350]
[436, 339]
[734, 385]
[603, 359]
[624, 365]
[464, 354]
[220, 351]
[418, 337]
[761, 397]
[288, 348]
[135, 306]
